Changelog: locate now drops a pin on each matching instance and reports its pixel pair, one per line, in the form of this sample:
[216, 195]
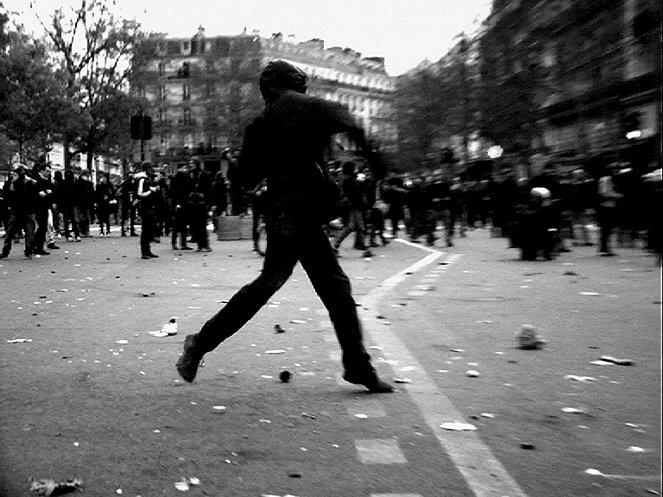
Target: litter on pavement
[19, 340]
[619, 362]
[579, 378]
[49, 487]
[528, 338]
[168, 329]
[457, 426]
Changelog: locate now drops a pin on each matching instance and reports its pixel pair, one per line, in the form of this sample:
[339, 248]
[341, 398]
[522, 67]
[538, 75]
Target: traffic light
[141, 128]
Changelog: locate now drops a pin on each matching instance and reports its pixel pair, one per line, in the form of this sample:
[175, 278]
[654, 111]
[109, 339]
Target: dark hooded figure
[285, 146]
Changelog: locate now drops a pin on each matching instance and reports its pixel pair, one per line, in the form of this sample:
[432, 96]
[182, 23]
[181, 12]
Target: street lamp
[495, 152]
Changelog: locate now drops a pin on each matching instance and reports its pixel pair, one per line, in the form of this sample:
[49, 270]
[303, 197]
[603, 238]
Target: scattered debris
[579, 378]
[183, 484]
[309, 416]
[590, 294]
[456, 350]
[472, 373]
[285, 376]
[298, 321]
[457, 426]
[572, 410]
[219, 408]
[49, 487]
[402, 380]
[528, 338]
[527, 446]
[278, 329]
[19, 340]
[619, 362]
[168, 329]
[275, 351]
[635, 449]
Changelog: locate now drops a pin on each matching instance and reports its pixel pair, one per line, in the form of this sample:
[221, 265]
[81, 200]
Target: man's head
[280, 76]
[44, 170]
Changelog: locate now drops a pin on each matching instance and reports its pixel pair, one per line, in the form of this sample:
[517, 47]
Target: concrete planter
[233, 227]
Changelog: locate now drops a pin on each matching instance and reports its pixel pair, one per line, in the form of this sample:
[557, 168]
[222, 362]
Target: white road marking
[483, 473]
[379, 451]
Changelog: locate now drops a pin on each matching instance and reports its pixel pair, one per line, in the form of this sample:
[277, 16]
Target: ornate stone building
[588, 72]
[202, 91]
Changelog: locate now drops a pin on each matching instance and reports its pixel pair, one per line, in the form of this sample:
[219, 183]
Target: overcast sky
[404, 32]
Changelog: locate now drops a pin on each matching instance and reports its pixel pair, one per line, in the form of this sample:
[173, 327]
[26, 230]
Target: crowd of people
[41, 208]
[543, 216]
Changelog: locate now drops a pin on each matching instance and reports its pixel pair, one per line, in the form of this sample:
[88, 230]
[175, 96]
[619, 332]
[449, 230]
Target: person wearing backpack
[286, 145]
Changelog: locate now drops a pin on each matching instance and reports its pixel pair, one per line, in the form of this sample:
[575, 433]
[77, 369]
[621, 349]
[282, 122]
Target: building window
[186, 117]
[186, 93]
[186, 47]
[162, 93]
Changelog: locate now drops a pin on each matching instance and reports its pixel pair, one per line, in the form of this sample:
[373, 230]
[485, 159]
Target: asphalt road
[93, 395]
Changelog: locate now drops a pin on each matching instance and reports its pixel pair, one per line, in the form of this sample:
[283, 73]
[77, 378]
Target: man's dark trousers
[290, 241]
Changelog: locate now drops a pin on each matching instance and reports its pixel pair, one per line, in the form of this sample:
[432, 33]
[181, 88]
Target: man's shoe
[372, 382]
[186, 247]
[204, 249]
[28, 256]
[187, 364]
[41, 252]
[152, 256]
[52, 246]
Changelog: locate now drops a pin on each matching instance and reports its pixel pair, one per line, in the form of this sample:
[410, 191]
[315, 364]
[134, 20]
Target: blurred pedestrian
[607, 211]
[104, 193]
[355, 197]
[44, 188]
[395, 195]
[69, 207]
[84, 201]
[128, 203]
[146, 193]
[179, 190]
[285, 145]
[20, 194]
[199, 204]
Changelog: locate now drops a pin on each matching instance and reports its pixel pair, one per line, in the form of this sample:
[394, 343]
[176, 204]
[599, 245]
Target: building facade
[588, 72]
[201, 92]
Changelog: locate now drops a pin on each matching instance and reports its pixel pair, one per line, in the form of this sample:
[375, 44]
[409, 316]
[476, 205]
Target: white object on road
[579, 378]
[457, 426]
[168, 329]
[529, 338]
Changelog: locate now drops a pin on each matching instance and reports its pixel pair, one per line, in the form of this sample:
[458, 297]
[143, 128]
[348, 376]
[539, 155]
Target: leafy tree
[31, 103]
[94, 50]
